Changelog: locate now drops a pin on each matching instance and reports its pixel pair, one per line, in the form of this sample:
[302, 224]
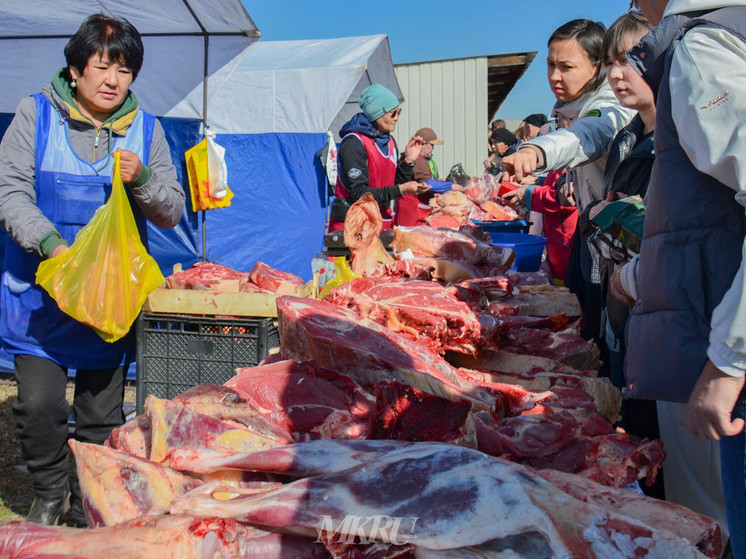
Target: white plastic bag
[218, 170]
[331, 160]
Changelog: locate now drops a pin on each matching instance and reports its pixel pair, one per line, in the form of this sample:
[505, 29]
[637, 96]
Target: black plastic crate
[177, 352]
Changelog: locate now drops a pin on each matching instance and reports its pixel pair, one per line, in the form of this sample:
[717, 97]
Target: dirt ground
[15, 487]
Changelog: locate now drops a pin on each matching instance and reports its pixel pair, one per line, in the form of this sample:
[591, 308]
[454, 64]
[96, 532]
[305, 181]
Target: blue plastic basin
[527, 248]
[497, 227]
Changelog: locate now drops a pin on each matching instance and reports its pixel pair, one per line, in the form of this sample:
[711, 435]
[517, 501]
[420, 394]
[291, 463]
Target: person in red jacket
[368, 160]
[555, 202]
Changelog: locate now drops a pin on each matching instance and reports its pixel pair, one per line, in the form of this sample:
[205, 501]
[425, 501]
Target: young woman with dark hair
[576, 75]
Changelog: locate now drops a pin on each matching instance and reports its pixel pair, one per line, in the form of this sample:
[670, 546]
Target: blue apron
[68, 192]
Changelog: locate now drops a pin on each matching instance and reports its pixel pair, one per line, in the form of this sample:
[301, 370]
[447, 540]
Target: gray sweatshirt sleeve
[161, 198]
[19, 215]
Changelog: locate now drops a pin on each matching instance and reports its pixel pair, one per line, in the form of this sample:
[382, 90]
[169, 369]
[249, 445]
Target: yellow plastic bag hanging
[206, 171]
[342, 274]
[104, 278]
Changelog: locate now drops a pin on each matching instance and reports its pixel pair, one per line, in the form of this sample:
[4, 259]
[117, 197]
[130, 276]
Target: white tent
[271, 108]
[293, 86]
[184, 40]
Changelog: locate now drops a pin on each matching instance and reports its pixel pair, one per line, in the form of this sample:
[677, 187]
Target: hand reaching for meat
[516, 197]
[522, 163]
[488, 162]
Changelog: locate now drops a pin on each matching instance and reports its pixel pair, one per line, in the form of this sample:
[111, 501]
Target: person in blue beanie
[368, 159]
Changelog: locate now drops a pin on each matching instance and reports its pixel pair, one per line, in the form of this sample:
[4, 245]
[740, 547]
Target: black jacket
[630, 161]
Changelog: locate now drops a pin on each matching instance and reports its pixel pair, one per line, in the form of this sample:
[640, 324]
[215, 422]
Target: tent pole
[204, 121]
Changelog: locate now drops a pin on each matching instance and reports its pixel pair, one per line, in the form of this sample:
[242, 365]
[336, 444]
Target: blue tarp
[278, 211]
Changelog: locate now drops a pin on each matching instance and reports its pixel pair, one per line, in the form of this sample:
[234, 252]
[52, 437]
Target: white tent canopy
[176, 34]
[293, 86]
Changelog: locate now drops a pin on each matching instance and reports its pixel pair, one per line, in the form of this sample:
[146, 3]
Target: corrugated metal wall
[450, 97]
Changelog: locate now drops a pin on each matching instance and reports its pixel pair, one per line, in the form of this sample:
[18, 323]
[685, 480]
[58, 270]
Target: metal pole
[204, 126]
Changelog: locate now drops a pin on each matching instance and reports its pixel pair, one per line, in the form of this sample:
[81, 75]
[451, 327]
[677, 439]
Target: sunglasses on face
[395, 113]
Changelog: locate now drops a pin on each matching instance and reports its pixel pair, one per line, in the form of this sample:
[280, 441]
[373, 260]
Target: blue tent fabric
[278, 213]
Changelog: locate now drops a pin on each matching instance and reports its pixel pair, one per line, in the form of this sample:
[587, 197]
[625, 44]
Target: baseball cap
[428, 134]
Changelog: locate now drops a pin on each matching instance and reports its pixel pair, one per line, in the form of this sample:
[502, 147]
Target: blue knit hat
[376, 101]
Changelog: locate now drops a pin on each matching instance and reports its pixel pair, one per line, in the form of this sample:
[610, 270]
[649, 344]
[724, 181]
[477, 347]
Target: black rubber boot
[47, 511]
[76, 517]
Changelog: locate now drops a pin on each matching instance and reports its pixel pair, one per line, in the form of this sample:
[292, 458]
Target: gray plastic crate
[177, 352]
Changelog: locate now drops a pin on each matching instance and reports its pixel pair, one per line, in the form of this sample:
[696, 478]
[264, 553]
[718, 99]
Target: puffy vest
[694, 234]
[68, 192]
[381, 172]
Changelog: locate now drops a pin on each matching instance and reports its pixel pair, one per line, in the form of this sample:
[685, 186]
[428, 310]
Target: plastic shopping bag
[208, 175]
[619, 229]
[342, 274]
[104, 278]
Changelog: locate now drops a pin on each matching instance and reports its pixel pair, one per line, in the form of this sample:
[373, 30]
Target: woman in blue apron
[55, 171]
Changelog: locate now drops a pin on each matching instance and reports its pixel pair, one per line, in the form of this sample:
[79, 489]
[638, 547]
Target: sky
[442, 29]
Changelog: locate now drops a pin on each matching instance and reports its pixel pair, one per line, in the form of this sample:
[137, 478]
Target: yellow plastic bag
[104, 278]
[342, 274]
[203, 184]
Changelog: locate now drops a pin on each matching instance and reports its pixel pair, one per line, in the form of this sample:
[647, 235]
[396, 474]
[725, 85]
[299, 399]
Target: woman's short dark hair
[590, 36]
[99, 33]
[631, 24]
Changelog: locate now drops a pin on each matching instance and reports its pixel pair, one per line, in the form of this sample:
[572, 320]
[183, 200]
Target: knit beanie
[503, 135]
[376, 101]
[536, 119]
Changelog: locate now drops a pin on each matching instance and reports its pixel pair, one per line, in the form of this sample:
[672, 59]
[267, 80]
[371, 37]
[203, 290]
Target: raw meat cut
[273, 280]
[338, 339]
[424, 311]
[407, 414]
[514, 363]
[362, 232]
[448, 270]
[441, 220]
[299, 460]
[207, 276]
[133, 437]
[227, 404]
[117, 487]
[401, 270]
[479, 292]
[453, 204]
[453, 497]
[220, 402]
[174, 425]
[477, 190]
[607, 397]
[305, 400]
[544, 303]
[450, 245]
[471, 229]
[564, 346]
[498, 211]
[702, 531]
[616, 459]
[155, 537]
[525, 436]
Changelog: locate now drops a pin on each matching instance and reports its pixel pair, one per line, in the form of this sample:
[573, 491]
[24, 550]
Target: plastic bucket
[496, 227]
[527, 248]
[506, 187]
